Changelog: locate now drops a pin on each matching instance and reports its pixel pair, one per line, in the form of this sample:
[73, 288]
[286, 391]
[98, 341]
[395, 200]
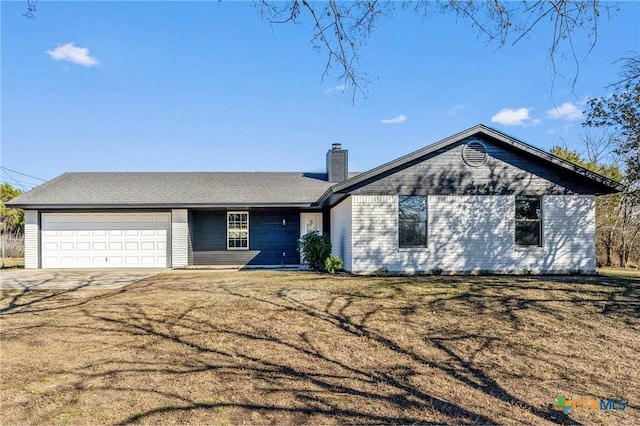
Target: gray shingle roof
[176, 189]
[228, 189]
[602, 184]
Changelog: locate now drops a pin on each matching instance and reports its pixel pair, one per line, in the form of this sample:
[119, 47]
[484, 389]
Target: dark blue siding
[208, 230]
[270, 242]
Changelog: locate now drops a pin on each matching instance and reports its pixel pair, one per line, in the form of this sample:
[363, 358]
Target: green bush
[333, 264]
[315, 250]
[436, 271]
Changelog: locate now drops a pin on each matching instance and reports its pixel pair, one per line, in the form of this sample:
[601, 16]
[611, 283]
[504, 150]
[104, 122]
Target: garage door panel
[131, 246]
[83, 261]
[67, 261]
[77, 240]
[147, 245]
[50, 246]
[132, 260]
[115, 261]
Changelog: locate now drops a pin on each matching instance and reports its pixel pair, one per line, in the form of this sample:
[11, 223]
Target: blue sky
[175, 86]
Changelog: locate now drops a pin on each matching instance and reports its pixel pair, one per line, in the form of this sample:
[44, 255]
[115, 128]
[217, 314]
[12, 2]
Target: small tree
[12, 219]
[315, 250]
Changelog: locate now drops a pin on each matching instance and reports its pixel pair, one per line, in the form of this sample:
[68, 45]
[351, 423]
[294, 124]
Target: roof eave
[166, 206]
[344, 185]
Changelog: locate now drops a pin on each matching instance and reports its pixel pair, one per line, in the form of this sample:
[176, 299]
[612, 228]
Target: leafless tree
[340, 29]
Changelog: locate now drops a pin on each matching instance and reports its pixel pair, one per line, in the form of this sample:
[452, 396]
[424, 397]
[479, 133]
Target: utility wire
[23, 174]
[13, 179]
[21, 183]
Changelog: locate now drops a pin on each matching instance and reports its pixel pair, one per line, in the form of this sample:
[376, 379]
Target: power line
[20, 183]
[23, 174]
[13, 179]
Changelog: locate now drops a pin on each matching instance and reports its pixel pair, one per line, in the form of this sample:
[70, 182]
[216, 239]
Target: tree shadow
[234, 330]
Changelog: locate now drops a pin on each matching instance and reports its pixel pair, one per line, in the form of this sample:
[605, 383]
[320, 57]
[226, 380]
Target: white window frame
[237, 212]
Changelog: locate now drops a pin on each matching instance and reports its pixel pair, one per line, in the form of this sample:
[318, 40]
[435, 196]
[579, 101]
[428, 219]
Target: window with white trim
[238, 230]
[412, 221]
[528, 220]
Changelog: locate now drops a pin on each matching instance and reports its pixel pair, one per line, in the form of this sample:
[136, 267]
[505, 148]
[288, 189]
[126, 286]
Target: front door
[310, 222]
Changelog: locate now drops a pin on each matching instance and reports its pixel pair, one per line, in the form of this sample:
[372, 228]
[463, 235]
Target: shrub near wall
[315, 250]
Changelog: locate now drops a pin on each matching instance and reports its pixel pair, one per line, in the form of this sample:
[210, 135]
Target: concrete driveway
[72, 279]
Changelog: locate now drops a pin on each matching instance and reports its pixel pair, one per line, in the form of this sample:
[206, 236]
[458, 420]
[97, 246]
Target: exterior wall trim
[179, 238]
[31, 239]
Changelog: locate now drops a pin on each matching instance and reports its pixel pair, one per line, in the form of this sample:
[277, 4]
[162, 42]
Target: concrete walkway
[72, 279]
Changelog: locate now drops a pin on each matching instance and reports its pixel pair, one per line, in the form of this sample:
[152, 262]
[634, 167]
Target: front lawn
[13, 262]
[257, 347]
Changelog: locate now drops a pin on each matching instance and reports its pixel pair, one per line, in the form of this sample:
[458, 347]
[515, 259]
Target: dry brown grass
[620, 272]
[258, 347]
[14, 262]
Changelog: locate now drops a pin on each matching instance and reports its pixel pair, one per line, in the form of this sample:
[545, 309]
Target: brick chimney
[337, 163]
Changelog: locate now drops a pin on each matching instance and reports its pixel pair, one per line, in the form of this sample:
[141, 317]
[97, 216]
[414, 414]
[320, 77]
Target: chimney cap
[336, 145]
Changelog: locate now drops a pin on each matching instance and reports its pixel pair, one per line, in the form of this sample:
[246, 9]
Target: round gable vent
[474, 153]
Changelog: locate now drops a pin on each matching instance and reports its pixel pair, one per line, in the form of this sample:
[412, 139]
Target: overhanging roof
[175, 190]
[607, 185]
[250, 189]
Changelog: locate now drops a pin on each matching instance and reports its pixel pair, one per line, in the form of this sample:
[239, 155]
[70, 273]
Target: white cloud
[567, 111]
[77, 55]
[456, 109]
[338, 88]
[514, 117]
[395, 120]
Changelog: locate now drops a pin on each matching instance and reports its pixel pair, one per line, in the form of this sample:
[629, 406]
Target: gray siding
[270, 242]
[505, 172]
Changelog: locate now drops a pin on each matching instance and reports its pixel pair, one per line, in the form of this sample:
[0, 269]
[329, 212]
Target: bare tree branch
[340, 29]
[30, 13]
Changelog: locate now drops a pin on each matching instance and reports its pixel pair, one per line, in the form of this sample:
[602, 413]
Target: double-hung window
[238, 230]
[528, 220]
[412, 221]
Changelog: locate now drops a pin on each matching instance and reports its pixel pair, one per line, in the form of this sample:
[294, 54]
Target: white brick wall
[467, 233]
[341, 232]
[179, 238]
[375, 232]
[569, 233]
[31, 239]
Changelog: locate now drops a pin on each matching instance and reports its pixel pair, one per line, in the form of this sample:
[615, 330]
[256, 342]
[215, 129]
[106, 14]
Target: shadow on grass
[268, 356]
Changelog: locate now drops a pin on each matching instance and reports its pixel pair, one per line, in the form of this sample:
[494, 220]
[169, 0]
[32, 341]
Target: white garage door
[106, 240]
